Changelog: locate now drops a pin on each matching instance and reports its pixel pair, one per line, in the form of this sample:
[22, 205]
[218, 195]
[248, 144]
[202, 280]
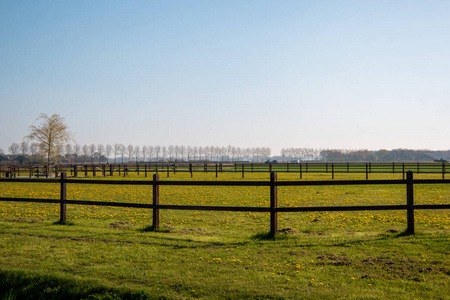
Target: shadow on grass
[404, 233]
[150, 228]
[267, 236]
[63, 223]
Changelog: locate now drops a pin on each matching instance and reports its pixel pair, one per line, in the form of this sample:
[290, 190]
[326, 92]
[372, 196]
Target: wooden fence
[80, 170]
[273, 209]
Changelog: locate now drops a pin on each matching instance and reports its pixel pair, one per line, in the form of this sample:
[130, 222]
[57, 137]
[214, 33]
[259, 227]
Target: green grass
[114, 253]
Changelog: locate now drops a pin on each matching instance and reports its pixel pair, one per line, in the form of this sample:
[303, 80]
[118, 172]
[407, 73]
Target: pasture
[113, 253]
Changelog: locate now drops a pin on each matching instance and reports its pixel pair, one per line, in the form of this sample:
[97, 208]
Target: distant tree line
[344, 155]
[119, 153]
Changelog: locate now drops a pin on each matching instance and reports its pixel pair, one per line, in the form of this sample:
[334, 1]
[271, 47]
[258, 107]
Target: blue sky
[320, 74]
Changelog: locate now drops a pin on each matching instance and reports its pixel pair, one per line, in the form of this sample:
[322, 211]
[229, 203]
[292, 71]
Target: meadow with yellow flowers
[112, 252]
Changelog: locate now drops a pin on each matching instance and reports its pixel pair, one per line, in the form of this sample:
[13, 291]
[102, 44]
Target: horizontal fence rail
[409, 182]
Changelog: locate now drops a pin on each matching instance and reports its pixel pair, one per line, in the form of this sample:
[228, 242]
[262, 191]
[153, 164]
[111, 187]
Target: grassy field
[112, 253]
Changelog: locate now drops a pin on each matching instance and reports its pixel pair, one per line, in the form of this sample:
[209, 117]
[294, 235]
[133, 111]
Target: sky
[317, 74]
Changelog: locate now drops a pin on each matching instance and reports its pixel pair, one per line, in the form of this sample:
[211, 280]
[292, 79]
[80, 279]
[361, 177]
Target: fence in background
[80, 170]
[273, 209]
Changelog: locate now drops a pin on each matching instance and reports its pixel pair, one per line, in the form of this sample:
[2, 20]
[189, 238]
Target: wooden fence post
[75, 171]
[94, 171]
[85, 170]
[410, 202]
[403, 171]
[273, 204]
[332, 170]
[63, 198]
[301, 171]
[443, 170]
[155, 201]
[217, 171]
[168, 175]
[145, 170]
[367, 171]
[191, 170]
[243, 172]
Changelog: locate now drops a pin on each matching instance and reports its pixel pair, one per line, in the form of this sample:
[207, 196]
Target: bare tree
[195, 151]
[170, 149]
[100, 150]
[14, 148]
[51, 132]
[77, 151]
[157, 152]
[189, 152]
[164, 152]
[151, 151]
[108, 151]
[130, 150]
[68, 149]
[117, 150]
[122, 150]
[136, 152]
[24, 148]
[86, 152]
[92, 151]
[144, 152]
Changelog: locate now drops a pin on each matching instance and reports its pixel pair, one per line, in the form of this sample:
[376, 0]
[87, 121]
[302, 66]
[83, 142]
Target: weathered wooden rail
[273, 209]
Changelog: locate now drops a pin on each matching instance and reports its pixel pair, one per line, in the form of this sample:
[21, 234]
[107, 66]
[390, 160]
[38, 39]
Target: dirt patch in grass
[334, 260]
[120, 225]
[410, 269]
[288, 231]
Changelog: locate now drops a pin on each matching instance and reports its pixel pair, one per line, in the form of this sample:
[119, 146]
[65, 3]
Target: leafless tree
[144, 152]
[24, 148]
[129, 151]
[14, 148]
[122, 150]
[86, 152]
[77, 151]
[195, 151]
[108, 151]
[157, 152]
[151, 151]
[92, 151]
[170, 149]
[68, 149]
[51, 132]
[136, 152]
[100, 150]
[164, 152]
[117, 150]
